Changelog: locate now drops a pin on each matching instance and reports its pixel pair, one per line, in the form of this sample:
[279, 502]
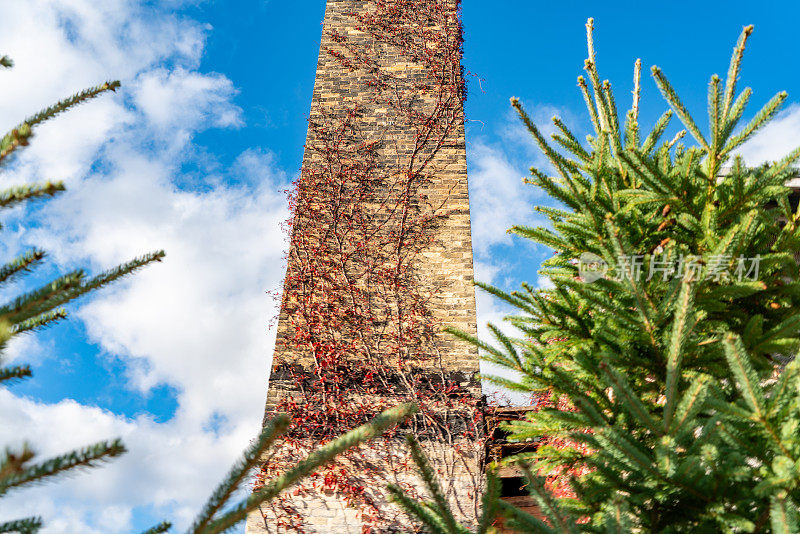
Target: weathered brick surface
[444, 269]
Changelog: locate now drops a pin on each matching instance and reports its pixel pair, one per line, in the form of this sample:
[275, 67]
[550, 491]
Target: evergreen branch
[734, 235]
[587, 98]
[736, 112]
[29, 525]
[499, 355]
[556, 159]
[503, 382]
[511, 350]
[522, 521]
[762, 117]
[511, 299]
[74, 100]
[16, 372]
[678, 136]
[617, 518]
[644, 305]
[20, 264]
[87, 457]
[590, 39]
[416, 510]
[240, 471]
[632, 401]
[784, 164]
[542, 236]
[6, 62]
[784, 391]
[651, 175]
[588, 406]
[20, 135]
[120, 271]
[679, 334]
[69, 288]
[656, 133]
[40, 321]
[550, 185]
[690, 405]
[429, 477]
[788, 328]
[549, 506]
[602, 113]
[590, 66]
[489, 502]
[34, 302]
[637, 89]
[600, 300]
[631, 131]
[783, 516]
[613, 114]
[714, 115]
[13, 463]
[16, 195]
[569, 141]
[164, 526]
[627, 451]
[733, 71]
[746, 377]
[315, 460]
[14, 139]
[683, 114]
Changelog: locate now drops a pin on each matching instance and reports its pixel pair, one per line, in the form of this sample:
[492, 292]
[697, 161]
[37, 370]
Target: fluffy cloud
[776, 140]
[198, 321]
[186, 99]
[498, 198]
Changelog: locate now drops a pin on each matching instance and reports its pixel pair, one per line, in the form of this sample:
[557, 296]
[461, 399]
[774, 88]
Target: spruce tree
[672, 323]
[43, 306]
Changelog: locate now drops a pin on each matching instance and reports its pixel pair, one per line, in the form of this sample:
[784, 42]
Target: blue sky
[193, 155]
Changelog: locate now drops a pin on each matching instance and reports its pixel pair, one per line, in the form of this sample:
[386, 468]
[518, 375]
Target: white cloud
[186, 99]
[498, 197]
[776, 139]
[197, 321]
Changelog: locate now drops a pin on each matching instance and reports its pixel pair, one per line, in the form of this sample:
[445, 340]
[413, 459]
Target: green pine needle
[90, 456]
[16, 195]
[21, 264]
[733, 70]
[17, 372]
[428, 476]
[314, 461]
[29, 525]
[164, 526]
[240, 470]
[677, 106]
[70, 102]
[40, 322]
